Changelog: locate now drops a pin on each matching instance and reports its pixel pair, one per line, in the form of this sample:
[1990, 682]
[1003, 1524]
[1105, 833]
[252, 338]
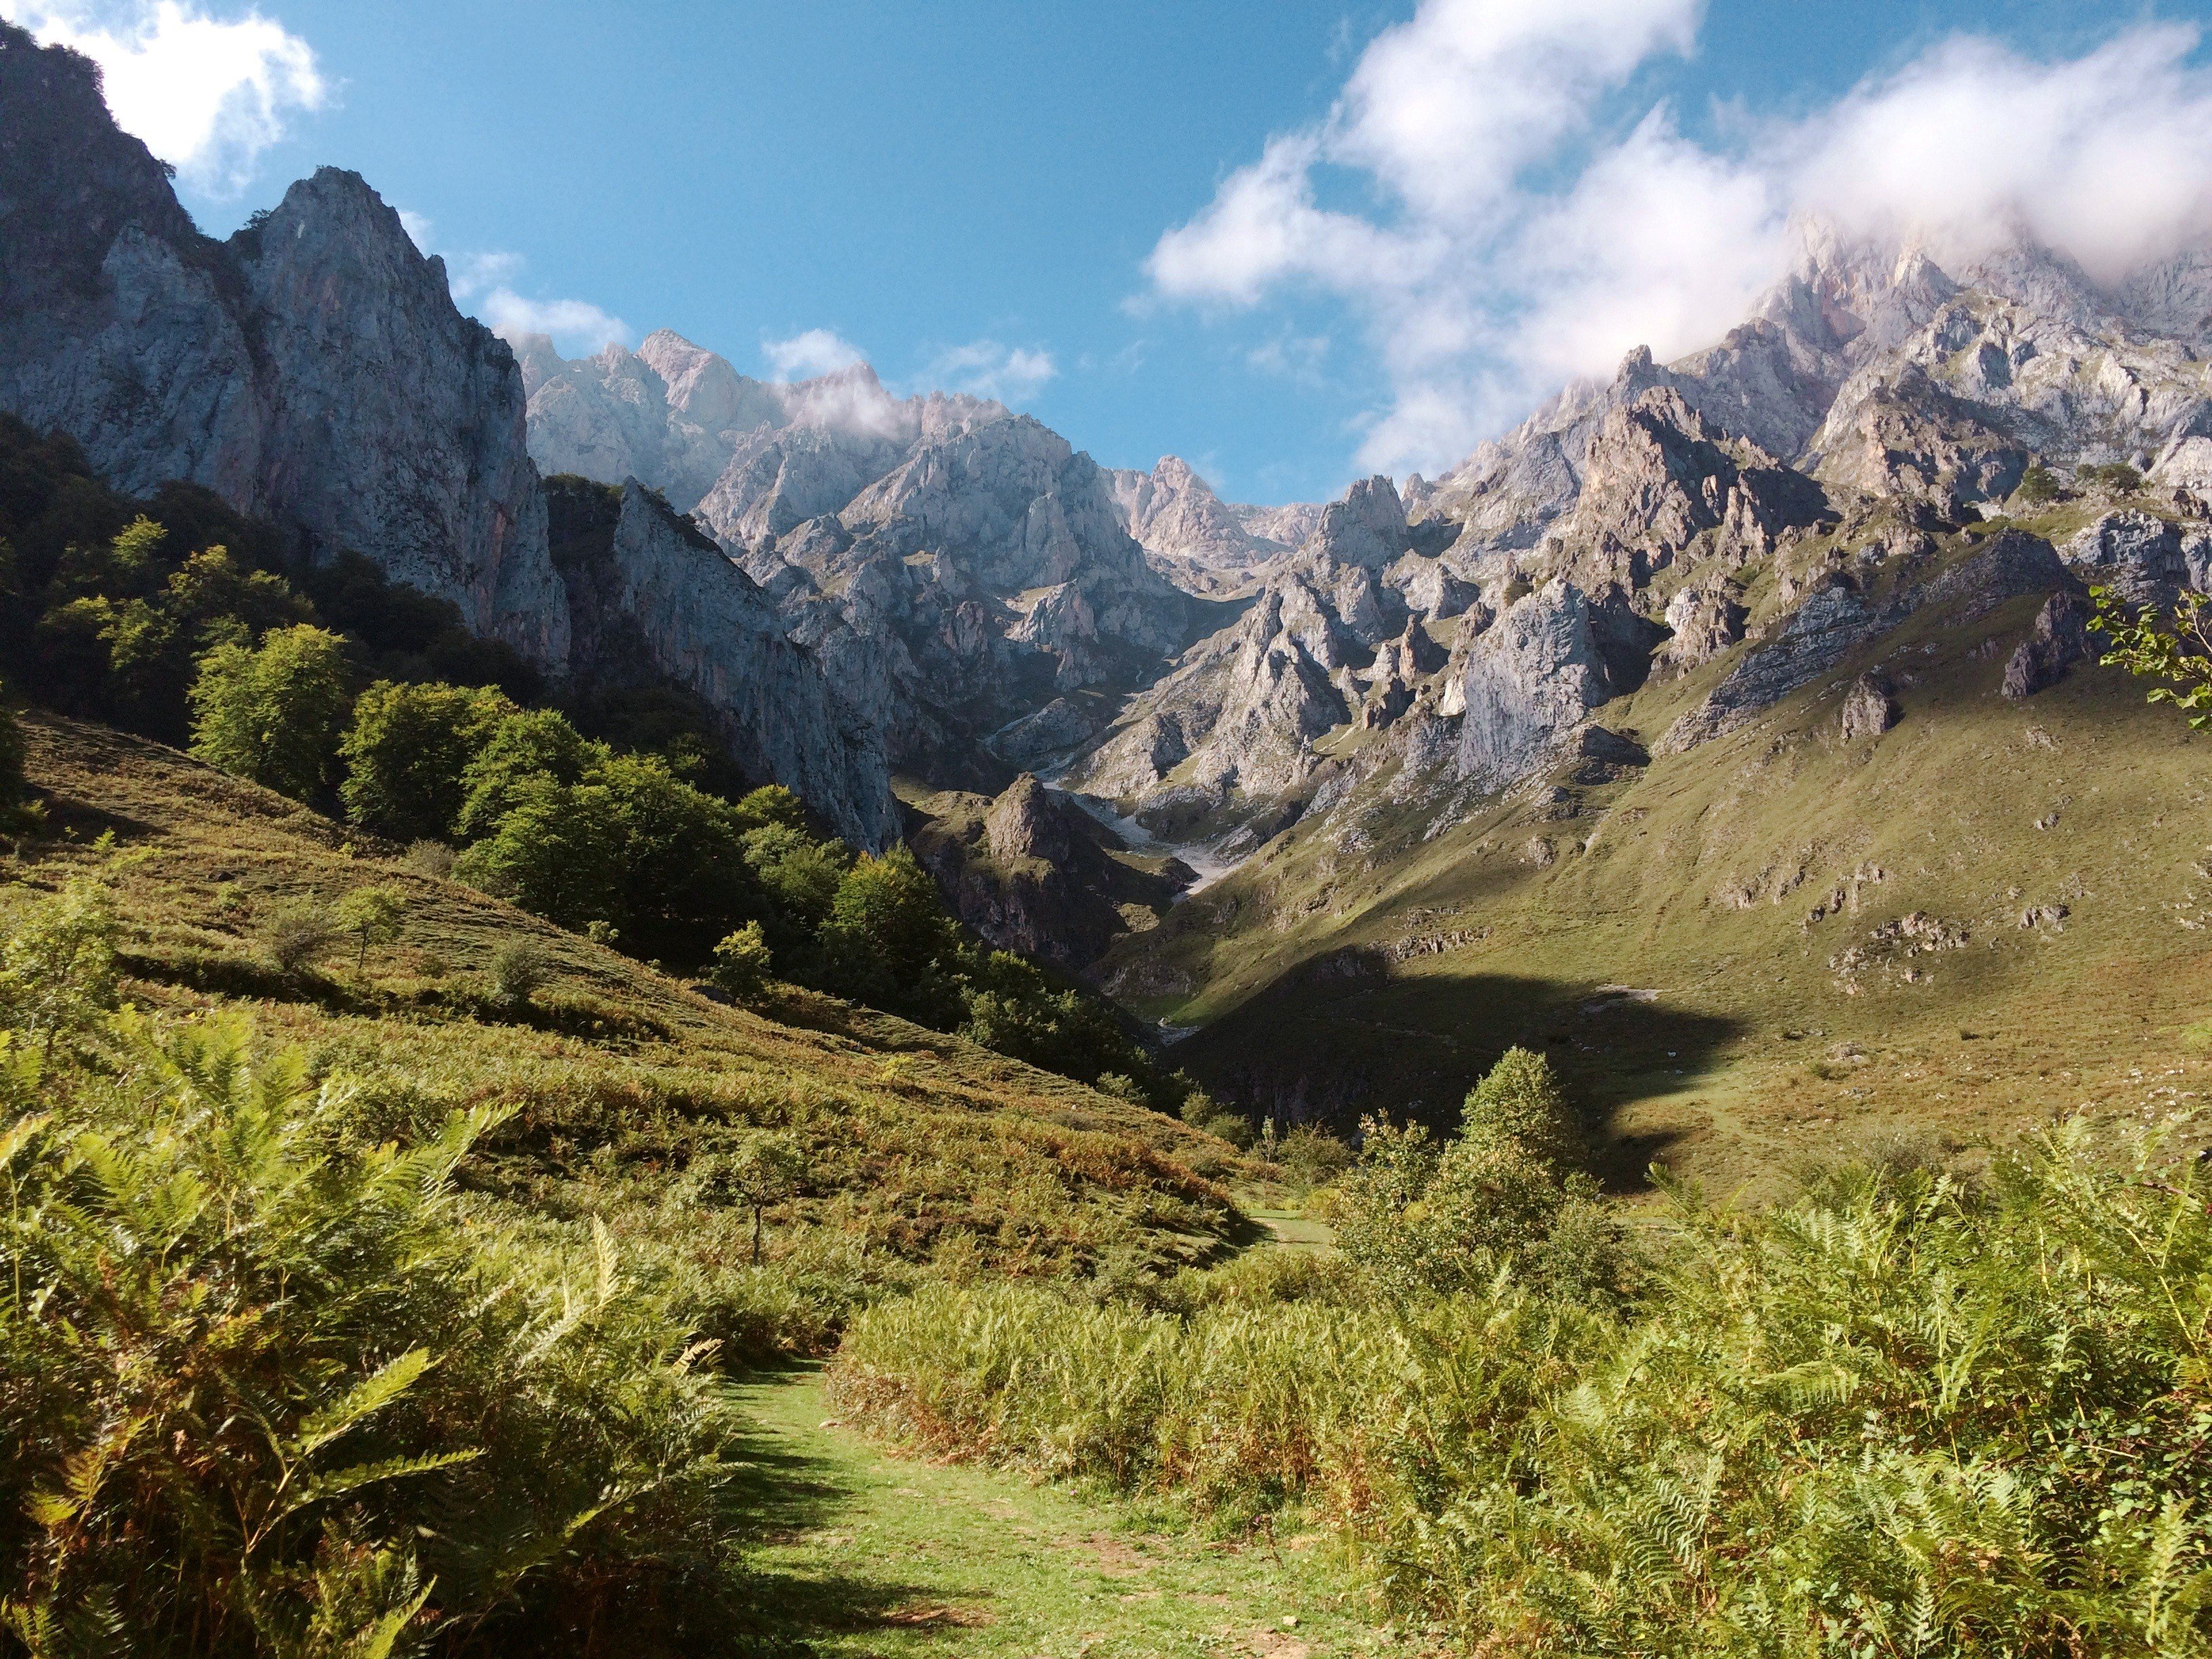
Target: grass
[926, 1153]
[1669, 960]
[862, 1553]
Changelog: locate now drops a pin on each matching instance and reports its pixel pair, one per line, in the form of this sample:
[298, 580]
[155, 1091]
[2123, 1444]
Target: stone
[1870, 708]
[2059, 639]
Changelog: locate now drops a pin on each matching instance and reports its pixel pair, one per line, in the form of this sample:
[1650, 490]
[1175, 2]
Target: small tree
[2038, 486]
[273, 714]
[518, 969]
[2180, 654]
[1421, 1216]
[743, 963]
[372, 916]
[1519, 1101]
[763, 1169]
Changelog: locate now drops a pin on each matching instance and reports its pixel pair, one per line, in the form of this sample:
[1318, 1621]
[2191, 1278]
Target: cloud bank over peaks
[206, 94]
[985, 369]
[813, 351]
[482, 284]
[1527, 223]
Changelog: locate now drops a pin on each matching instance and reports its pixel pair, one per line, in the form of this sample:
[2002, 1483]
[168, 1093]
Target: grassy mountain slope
[919, 1148]
[1656, 934]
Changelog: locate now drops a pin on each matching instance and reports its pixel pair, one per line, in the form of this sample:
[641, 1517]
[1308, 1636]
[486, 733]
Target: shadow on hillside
[1329, 1045]
[67, 819]
[784, 1493]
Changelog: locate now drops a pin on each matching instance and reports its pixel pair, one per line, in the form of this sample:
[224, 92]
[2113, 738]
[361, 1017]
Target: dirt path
[860, 1553]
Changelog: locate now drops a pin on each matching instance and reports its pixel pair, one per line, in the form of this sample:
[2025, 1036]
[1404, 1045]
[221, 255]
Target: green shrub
[743, 963]
[2038, 486]
[1421, 1216]
[1313, 1155]
[296, 936]
[517, 969]
[58, 975]
[265, 1392]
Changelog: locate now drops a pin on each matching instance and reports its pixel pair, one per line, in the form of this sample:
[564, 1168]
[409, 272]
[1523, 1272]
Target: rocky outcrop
[1032, 873]
[1837, 619]
[2145, 559]
[312, 369]
[1551, 660]
[1199, 542]
[2060, 639]
[1870, 708]
[652, 591]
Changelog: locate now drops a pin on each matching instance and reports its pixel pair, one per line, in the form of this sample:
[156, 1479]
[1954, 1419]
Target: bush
[296, 936]
[1313, 1155]
[266, 1392]
[430, 858]
[58, 963]
[517, 971]
[273, 714]
[2038, 486]
[743, 963]
[1420, 1216]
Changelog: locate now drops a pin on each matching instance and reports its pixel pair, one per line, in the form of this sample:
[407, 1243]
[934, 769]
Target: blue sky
[974, 193]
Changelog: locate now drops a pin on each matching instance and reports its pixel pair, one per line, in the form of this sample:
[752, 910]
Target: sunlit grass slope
[1994, 911]
[921, 1151]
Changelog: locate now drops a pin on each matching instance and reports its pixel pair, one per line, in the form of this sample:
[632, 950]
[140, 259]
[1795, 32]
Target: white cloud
[1510, 241]
[577, 326]
[985, 369]
[482, 283]
[207, 95]
[812, 352]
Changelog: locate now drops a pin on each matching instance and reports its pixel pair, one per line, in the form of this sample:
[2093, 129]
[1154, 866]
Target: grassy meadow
[1718, 950]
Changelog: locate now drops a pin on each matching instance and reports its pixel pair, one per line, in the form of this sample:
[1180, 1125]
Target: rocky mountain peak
[313, 370]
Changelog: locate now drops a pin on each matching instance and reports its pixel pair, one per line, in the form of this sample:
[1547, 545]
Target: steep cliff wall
[313, 368]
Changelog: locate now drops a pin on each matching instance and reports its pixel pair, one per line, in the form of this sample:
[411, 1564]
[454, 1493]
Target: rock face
[654, 590]
[312, 369]
[1033, 873]
[1199, 542]
[1550, 660]
[2060, 639]
[958, 569]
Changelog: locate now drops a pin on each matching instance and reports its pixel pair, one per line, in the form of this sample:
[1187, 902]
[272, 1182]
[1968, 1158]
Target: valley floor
[863, 1555]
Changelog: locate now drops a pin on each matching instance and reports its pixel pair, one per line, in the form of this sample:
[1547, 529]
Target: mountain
[312, 370]
[1760, 710]
[960, 570]
[1198, 541]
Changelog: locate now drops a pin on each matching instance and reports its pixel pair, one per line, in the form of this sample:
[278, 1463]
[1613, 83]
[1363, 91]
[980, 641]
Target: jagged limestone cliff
[312, 369]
